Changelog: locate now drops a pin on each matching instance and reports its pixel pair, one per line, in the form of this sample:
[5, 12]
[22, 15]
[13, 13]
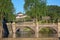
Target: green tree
[54, 12]
[6, 9]
[35, 9]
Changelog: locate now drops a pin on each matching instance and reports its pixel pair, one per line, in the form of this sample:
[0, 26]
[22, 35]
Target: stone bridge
[35, 28]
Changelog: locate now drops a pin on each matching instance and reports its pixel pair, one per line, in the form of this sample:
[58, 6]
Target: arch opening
[47, 32]
[28, 32]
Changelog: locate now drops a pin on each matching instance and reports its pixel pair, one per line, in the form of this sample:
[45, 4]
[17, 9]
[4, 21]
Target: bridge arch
[48, 32]
[49, 26]
[28, 29]
[28, 32]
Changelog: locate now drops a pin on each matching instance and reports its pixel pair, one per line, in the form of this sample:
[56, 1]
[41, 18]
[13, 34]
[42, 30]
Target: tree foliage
[6, 9]
[54, 12]
[35, 8]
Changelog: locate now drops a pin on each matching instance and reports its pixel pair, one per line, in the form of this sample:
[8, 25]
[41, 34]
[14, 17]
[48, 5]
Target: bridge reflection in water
[29, 35]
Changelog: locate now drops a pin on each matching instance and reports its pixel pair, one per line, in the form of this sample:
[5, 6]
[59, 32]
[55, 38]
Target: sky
[18, 4]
